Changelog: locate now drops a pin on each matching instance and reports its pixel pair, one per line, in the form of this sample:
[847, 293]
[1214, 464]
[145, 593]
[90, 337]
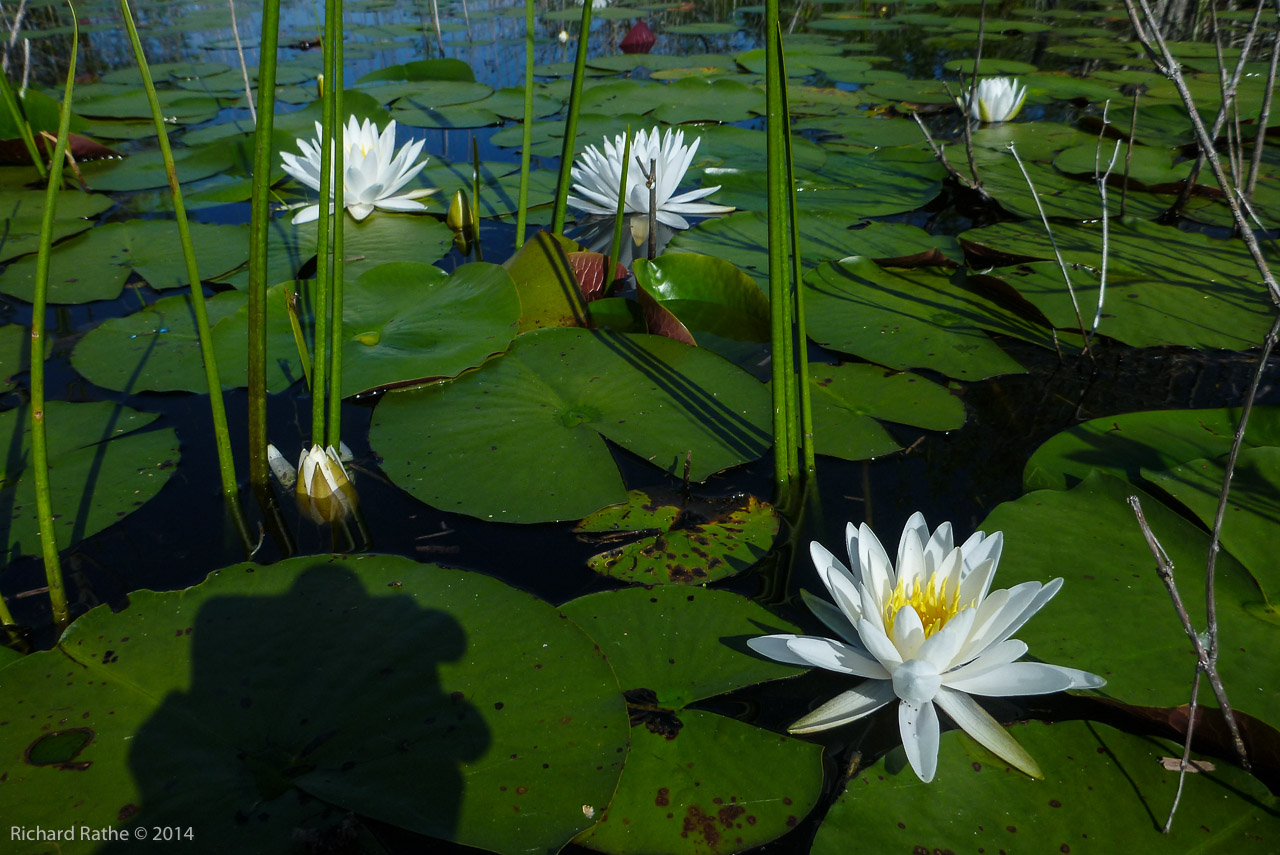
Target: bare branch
[974, 184]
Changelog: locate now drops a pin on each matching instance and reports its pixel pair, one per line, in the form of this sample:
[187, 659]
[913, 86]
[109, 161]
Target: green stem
[334, 433]
[19, 117]
[39, 446]
[260, 228]
[781, 333]
[571, 122]
[522, 215]
[321, 305]
[222, 437]
[615, 248]
[803, 432]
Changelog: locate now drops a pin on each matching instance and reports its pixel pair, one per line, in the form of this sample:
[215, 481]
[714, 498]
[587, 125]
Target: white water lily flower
[372, 177]
[930, 633]
[998, 99]
[596, 177]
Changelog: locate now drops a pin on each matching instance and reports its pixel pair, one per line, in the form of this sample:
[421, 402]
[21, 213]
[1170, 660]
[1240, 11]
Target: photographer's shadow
[307, 712]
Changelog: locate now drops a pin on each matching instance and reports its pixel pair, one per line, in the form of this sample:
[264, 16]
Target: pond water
[948, 377]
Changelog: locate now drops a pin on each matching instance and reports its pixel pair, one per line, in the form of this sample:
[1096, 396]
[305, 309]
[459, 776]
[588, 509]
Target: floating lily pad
[691, 784]
[743, 239]
[480, 740]
[1126, 444]
[852, 182]
[157, 349]
[407, 321]
[1179, 287]
[101, 468]
[850, 401]
[1253, 511]
[522, 439]
[1094, 774]
[1112, 592]
[702, 542]
[149, 248]
[708, 294]
[907, 319]
[23, 212]
[146, 170]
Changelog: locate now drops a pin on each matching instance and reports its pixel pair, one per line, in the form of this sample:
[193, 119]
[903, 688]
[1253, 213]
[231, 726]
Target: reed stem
[571, 123]
[222, 436]
[39, 446]
[260, 228]
[337, 225]
[522, 214]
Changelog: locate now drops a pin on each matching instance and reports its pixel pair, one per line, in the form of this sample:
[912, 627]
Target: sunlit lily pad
[157, 349]
[147, 170]
[743, 239]
[702, 542]
[480, 739]
[1179, 287]
[408, 321]
[522, 439]
[907, 319]
[1252, 513]
[102, 467]
[850, 401]
[691, 784]
[1093, 774]
[149, 248]
[23, 211]
[1112, 592]
[1124, 445]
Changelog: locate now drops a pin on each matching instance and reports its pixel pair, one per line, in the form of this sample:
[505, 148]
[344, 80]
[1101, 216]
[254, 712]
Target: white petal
[919, 727]
[878, 643]
[813, 651]
[944, 646]
[1018, 678]
[908, 631]
[306, 215]
[916, 681]
[846, 707]
[400, 203]
[975, 721]
[993, 657]
[877, 572]
[911, 562]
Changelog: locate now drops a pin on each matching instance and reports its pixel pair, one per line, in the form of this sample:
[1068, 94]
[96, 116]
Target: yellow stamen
[932, 604]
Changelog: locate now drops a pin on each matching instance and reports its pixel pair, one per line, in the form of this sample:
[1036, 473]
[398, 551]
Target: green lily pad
[691, 784]
[407, 321]
[1180, 287]
[850, 401]
[157, 349]
[862, 130]
[15, 352]
[701, 543]
[23, 212]
[1126, 444]
[1253, 511]
[1104, 791]
[146, 170]
[548, 287]
[522, 439]
[1113, 615]
[852, 183]
[149, 248]
[708, 294]
[743, 239]
[907, 319]
[101, 468]
[479, 740]
[130, 102]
